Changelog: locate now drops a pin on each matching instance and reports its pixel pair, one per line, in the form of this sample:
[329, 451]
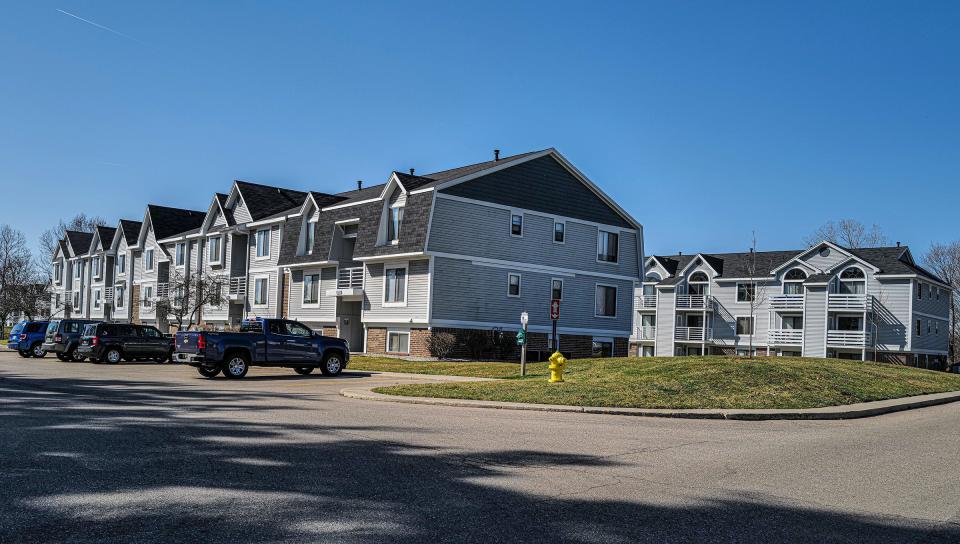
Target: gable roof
[104, 235]
[265, 201]
[78, 242]
[131, 230]
[169, 222]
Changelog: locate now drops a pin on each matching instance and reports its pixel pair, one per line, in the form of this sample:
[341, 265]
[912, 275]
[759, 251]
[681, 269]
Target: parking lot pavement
[149, 453]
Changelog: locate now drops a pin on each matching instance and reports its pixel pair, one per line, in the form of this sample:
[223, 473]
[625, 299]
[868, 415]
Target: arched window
[852, 281]
[793, 282]
[697, 284]
[653, 276]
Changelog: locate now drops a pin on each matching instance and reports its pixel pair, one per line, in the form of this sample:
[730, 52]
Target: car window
[16, 328]
[53, 326]
[72, 327]
[34, 327]
[297, 329]
[151, 332]
[90, 330]
[276, 327]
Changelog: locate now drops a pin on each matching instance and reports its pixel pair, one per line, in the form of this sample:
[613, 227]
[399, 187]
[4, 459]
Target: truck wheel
[75, 357]
[62, 357]
[38, 351]
[304, 370]
[236, 367]
[113, 356]
[332, 364]
[208, 371]
[23, 353]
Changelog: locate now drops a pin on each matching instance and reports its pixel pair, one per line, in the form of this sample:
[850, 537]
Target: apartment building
[70, 275]
[823, 301]
[124, 249]
[99, 291]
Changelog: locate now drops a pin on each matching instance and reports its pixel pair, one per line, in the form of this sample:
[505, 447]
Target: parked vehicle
[63, 338]
[27, 338]
[113, 342]
[262, 342]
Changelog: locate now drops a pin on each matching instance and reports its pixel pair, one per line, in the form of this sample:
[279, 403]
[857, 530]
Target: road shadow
[117, 460]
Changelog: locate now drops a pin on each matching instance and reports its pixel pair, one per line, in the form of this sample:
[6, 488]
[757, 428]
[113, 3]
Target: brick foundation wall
[135, 305]
[376, 340]
[420, 342]
[329, 331]
[285, 296]
[621, 347]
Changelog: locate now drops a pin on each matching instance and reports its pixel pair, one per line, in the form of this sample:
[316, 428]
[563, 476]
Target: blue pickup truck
[261, 342]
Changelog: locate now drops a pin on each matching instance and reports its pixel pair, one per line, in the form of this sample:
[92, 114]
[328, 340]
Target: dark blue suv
[27, 338]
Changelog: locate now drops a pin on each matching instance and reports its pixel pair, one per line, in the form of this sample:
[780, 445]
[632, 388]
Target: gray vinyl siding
[666, 300]
[487, 229]
[326, 313]
[891, 302]
[929, 303]
[218, 314]
[418, 285]
[241, 214]
[271, 309]
[464, 291]
[261, 267]
[824, 263]
[929, 341]
[814, 322]
[727, 309]
[125, 279]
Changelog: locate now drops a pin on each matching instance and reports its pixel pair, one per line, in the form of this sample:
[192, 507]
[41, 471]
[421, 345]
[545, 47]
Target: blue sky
[704, 120]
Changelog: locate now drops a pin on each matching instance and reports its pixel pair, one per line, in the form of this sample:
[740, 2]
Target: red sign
[555, 309]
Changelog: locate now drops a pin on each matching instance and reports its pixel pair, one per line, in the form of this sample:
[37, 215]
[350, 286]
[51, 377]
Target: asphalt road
[151, 453]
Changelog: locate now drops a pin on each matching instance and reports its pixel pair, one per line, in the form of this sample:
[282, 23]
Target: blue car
[27, 338]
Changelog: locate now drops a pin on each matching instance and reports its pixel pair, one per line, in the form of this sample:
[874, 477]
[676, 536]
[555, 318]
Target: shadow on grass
[116, 460]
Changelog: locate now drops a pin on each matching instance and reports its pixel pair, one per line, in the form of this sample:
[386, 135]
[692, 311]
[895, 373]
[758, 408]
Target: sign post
[522, 340]
[555, 316]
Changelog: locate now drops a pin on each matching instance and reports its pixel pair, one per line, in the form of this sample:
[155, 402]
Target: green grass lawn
[473, 369]
[681, 382]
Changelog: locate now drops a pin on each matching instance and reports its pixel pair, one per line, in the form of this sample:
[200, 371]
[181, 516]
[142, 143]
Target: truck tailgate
[186, 342]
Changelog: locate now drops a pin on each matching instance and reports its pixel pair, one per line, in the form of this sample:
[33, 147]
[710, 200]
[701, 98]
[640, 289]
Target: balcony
[848, 339]
[237, 289]
[646, 333]
[647, 302]
[785, 337]
[694, 302]
[786, 302]
[163, 291]
[349, 284]
[692, 334]
[837, 301]
[108, 295]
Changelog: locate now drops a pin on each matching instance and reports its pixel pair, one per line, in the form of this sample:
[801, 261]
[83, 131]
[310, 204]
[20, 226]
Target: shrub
[477, 342]
[441, 344]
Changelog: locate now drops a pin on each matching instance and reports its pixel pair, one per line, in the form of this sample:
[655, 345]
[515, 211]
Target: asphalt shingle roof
[169, 222]
[106, 236]
[264, 201]
[79, 241]
[131, 230]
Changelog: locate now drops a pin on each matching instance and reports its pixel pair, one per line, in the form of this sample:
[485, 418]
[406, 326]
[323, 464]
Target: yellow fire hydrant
[557, 363]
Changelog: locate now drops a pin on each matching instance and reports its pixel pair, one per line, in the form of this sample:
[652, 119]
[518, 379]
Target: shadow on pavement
[113, 460]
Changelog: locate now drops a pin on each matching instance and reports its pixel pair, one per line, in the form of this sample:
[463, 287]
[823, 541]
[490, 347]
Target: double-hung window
[263, 244]
[77, 269]
[181, 253]
[395, 285]
[516, 224]
[608, 246]
[393, 225]
[57, 272]
[118, 297]
[746, 292]
[559, 232]
[311, 288]
[147, 296]
[311, 236]
[148, 260]
[214, 251]
[96, 298]
[95, 266]
[744, 325]
[606, 301]
[260, 286]
[122, 263]
[513, 285]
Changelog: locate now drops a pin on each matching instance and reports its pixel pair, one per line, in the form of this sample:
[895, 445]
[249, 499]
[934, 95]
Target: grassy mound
[690, 382]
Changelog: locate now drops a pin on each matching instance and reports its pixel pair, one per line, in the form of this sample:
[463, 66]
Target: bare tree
[187, 295]
[756, 290]
[944, 261]
[18, 276]
[51, 237]
[848, 233]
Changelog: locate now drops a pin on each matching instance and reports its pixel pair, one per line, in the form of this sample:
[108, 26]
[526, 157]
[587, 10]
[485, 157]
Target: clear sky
[704, 120]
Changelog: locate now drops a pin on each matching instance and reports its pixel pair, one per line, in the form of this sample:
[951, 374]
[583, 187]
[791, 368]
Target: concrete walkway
[849, 411]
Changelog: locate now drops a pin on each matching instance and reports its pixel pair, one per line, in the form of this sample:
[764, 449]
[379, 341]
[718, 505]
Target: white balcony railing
[647, 301]
[350, 278]
[108, 295]
[786, 302]
[852, 339]
[694, 302]
[647, 333]
[237, 288]
[837, 301]
[692, 334]
[785, 337]
[163, 291]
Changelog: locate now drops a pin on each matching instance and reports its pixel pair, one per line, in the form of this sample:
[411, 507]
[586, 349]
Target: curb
[850, 411]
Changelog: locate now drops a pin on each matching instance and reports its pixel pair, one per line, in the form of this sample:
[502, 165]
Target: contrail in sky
[108, 29]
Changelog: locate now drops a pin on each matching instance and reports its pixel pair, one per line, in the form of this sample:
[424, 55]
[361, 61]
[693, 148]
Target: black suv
[111, 342]
[63, 338]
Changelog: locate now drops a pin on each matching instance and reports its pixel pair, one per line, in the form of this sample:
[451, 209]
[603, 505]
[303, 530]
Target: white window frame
[97, 297]
[753, 327]
[601, 230]
[303, 289]
[399, 210]
[180, 258]
[553, 235]
[397, 332]
[149, 259]
[519, 284]
[219, 260]
[77, 270]
[118, 294]
[310, 237]
[604, 340]
[58, 272]
[406, 284]
[561, 288]
[256, 244]
[746, 301]
[96, 266]
[76, 299]
[516, 213]
[147, 299]
[266, 291]
[121, 264]
[616, 301]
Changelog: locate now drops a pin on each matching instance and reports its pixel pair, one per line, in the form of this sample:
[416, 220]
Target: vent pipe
[411, 171]
[898, 244]
[359, 184]
[496, 154]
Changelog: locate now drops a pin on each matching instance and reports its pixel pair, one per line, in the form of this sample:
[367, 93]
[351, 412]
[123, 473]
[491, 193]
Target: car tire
[62, 357]
[37, 351]
[112, 356]
[236, 366]
[332, 364]
[208, 372]
[304, 370]
[23, 353]
[75, 357]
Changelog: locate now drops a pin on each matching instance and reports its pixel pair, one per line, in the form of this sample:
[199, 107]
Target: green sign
[521, 337]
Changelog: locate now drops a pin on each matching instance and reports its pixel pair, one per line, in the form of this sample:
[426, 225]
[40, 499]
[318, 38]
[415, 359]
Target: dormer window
[395, 219]
[311, 234]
